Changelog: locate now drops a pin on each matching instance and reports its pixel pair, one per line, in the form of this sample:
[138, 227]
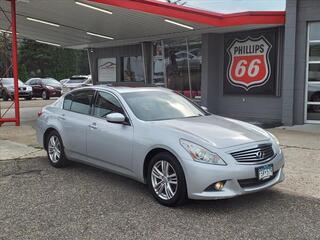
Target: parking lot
[81, 202]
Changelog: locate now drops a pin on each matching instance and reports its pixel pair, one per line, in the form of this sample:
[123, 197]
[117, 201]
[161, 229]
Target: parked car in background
[45, 87]
[76, 82]
[62, 81]
[163, 139]
[7, 89]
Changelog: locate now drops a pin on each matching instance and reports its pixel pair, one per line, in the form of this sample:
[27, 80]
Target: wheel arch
[151, 154]
[46, 134]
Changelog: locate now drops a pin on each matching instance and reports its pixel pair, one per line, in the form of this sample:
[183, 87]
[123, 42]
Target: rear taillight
[39, 113]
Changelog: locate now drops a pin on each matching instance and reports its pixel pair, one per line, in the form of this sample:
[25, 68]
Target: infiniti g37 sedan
[160, 138]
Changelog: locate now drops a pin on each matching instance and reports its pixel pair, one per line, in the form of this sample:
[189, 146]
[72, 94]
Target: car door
[36, 87]
[107, 142]
[74, 119]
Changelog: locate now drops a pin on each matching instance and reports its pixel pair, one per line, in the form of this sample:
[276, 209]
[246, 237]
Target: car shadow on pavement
[270, 197]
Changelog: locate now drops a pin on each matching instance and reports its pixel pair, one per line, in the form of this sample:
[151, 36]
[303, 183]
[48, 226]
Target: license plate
[264, 172]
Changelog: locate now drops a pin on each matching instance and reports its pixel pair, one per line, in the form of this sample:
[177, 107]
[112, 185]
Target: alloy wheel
[54, 149]
[164, 180]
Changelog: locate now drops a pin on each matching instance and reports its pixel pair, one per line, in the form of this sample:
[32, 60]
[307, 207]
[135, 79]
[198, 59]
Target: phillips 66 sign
[250, 64]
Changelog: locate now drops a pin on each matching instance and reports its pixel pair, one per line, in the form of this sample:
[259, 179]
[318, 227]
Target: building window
[313, 74]
[158, 64]
[132, 69]
[177, 65]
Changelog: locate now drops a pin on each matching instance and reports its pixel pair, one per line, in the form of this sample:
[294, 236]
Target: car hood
[219, 131]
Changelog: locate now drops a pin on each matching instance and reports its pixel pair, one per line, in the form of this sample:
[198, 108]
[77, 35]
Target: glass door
[158, 64]
[313, 75]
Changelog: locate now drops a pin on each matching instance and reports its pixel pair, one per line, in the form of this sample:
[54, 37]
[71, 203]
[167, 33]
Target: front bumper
[200, 176]
[23, 94]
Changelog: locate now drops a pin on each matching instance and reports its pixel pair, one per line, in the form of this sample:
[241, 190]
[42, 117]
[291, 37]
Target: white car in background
[76, 82]
[62, 81]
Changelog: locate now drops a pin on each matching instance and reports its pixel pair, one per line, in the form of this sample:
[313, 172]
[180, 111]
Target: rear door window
[79, 101]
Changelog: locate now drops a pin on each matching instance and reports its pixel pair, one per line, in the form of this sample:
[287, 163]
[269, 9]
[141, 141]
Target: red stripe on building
[199, 16]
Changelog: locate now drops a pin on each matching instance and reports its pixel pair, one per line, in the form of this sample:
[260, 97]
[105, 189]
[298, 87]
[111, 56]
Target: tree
[5, 55]
[40, 60]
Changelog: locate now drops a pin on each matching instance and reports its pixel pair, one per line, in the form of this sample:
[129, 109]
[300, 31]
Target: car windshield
[9, 81]
[160, 105]
[50, 81]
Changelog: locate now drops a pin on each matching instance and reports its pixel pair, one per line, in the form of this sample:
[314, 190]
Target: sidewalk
[19, 143]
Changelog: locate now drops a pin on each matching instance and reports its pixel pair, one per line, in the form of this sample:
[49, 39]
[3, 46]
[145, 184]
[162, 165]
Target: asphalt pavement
[28, 109]
[81, 202]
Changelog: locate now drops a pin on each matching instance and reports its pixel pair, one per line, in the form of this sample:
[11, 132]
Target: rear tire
[55, 150]
[166, 180]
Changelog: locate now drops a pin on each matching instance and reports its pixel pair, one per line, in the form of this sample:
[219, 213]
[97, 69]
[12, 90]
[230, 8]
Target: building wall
[117, 52]
[299, 13]
[264, 109]
[260, 108]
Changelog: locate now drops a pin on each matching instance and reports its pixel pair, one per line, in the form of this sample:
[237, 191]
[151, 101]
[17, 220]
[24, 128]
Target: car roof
[121, 89]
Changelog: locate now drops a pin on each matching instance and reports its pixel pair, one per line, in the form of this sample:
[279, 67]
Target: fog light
[218, 186]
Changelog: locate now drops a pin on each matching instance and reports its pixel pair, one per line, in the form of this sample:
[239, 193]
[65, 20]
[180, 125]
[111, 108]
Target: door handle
[93, 126]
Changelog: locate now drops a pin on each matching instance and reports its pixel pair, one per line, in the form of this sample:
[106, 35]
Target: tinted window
[80, 101]
[105, 104]
[38, 82]
[67, 102]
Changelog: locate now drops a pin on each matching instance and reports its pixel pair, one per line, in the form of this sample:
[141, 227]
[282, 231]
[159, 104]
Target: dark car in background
[45, 87]
[7, 89]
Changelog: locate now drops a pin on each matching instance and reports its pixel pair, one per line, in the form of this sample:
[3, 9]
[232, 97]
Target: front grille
[259, 154]
[255, 182]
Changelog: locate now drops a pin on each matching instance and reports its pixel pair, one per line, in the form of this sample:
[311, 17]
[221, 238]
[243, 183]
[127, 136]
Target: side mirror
[116, 118]
[204, 108]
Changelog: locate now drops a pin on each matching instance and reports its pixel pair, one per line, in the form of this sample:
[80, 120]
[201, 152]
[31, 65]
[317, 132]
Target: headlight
[274, 138]
[50, 88]
[200, 154]
[29, 89]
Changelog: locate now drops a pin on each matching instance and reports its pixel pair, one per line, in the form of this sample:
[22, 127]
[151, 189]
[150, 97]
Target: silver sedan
[160, 138]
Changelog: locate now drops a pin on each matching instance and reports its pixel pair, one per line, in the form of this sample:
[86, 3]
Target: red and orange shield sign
[249, 64]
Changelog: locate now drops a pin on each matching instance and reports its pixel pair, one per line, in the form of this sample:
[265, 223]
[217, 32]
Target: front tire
[5, 96]
[45, 95]
[166, 180]
[55, 150]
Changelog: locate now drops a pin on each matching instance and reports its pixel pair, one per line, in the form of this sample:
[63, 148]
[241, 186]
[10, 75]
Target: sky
[231, 6]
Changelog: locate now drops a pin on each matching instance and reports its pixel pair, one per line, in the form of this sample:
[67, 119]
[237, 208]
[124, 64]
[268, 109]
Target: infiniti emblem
[260, 154]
